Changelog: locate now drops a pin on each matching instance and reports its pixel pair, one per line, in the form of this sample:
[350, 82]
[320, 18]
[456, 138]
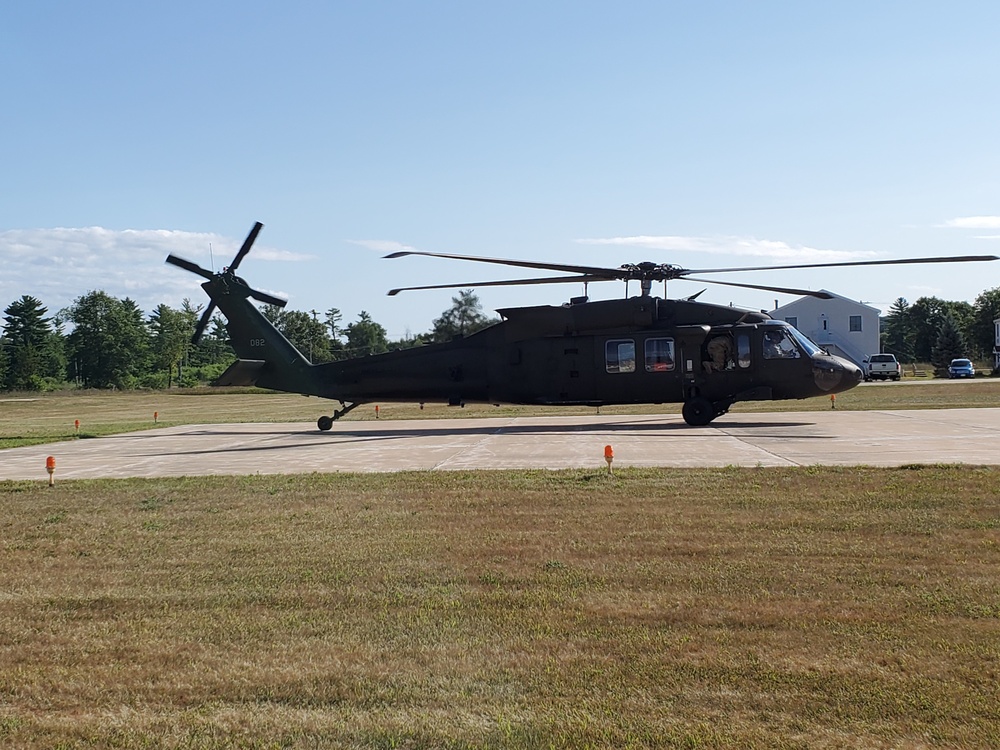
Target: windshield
[960, 363]
[807, 345]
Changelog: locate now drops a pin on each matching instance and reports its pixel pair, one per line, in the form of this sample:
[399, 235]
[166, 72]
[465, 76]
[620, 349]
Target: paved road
[880, 438]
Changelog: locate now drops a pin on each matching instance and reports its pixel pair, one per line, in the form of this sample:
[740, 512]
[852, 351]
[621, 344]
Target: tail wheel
[324, 423]
[698, 411]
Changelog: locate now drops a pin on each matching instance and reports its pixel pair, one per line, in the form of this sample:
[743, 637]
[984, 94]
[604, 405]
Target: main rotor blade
[613, 273]
[954, 259]
[586, 279]
[247, 243]
[267, 298]
[189, 266]
[203, 322]
[780, 289]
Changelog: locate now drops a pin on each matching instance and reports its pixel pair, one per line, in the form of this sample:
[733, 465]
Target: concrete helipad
[881, 438]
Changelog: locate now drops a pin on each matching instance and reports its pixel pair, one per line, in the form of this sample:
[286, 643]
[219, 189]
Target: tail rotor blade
[267, 298]
[203, 323]
[247, 244]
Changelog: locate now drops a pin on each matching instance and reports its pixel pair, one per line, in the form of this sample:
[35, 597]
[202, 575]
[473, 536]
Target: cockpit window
[780, 344]
[805, 342]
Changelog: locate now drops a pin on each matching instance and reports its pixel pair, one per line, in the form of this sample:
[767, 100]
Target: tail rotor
[225, 280]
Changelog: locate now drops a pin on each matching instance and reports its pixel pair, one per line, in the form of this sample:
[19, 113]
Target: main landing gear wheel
[698, 411]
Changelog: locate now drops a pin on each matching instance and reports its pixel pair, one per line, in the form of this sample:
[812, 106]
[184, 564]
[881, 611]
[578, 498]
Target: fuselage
[640, 350]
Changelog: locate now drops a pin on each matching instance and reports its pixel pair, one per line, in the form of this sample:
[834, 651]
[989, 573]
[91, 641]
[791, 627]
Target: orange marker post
[156, 417]
[50, 467]
[833, 400]
[609, 456]
[76, 425]
[376, 411]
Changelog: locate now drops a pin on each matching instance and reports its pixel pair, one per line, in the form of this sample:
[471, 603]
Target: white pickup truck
[882, 367]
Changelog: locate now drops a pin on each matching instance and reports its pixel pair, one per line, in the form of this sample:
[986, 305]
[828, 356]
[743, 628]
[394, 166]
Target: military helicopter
[636, 350]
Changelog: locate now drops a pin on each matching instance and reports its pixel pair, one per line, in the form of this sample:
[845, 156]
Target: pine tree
[949, 345]
[31, 348]
[897, 334]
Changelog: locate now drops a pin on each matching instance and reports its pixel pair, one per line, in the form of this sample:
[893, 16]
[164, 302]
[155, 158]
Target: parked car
[961, 368]
[882, 367]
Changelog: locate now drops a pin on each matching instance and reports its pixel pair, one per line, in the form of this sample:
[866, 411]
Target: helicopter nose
[833, 374]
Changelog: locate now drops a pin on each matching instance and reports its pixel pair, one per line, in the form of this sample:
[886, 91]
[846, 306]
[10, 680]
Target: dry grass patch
[687, 608]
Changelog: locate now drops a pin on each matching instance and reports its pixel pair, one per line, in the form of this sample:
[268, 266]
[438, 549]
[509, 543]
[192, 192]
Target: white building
[842, 326]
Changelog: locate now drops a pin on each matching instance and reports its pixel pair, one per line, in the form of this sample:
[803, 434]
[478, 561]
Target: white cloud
[59, 265]
[740, 246]
[973, 222]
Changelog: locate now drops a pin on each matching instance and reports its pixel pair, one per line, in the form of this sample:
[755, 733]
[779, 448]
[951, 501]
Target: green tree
[213, 347]
[464, 317]
[304, 330]
[109, 343]
[409, 341]
[981, 334]
[365, 336]
[927, 316]
[963, 314]
[948, 345]
[926, 319]
[170, 336]
[33, 348]
[3, 359]
[897, 334]
[333, 319]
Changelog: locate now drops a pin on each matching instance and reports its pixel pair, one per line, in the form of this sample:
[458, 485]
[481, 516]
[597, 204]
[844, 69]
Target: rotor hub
[649, 271]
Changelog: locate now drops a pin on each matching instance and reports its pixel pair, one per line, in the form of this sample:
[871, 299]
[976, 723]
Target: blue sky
[709, 134]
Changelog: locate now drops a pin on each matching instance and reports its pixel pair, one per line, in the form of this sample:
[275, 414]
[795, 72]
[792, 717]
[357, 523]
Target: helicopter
[637, 350]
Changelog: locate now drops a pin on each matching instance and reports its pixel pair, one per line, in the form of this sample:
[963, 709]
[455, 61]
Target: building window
[793, 321]
[659, 355]
[855, 323]
[619, 355]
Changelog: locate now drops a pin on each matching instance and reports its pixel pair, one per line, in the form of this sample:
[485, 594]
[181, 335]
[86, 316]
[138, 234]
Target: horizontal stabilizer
[241, 372]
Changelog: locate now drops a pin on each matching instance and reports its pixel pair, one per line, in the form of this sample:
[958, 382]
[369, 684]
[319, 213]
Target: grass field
[710, 608]
[28, 419]
[656, 608]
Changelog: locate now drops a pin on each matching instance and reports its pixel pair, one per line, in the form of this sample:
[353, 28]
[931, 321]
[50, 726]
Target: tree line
[937, 331]
[104, 342]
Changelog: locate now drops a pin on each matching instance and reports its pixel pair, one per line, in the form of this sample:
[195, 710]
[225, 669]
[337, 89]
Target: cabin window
[855, 322]
[659, 355]
[743, 350]
[619, 355]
